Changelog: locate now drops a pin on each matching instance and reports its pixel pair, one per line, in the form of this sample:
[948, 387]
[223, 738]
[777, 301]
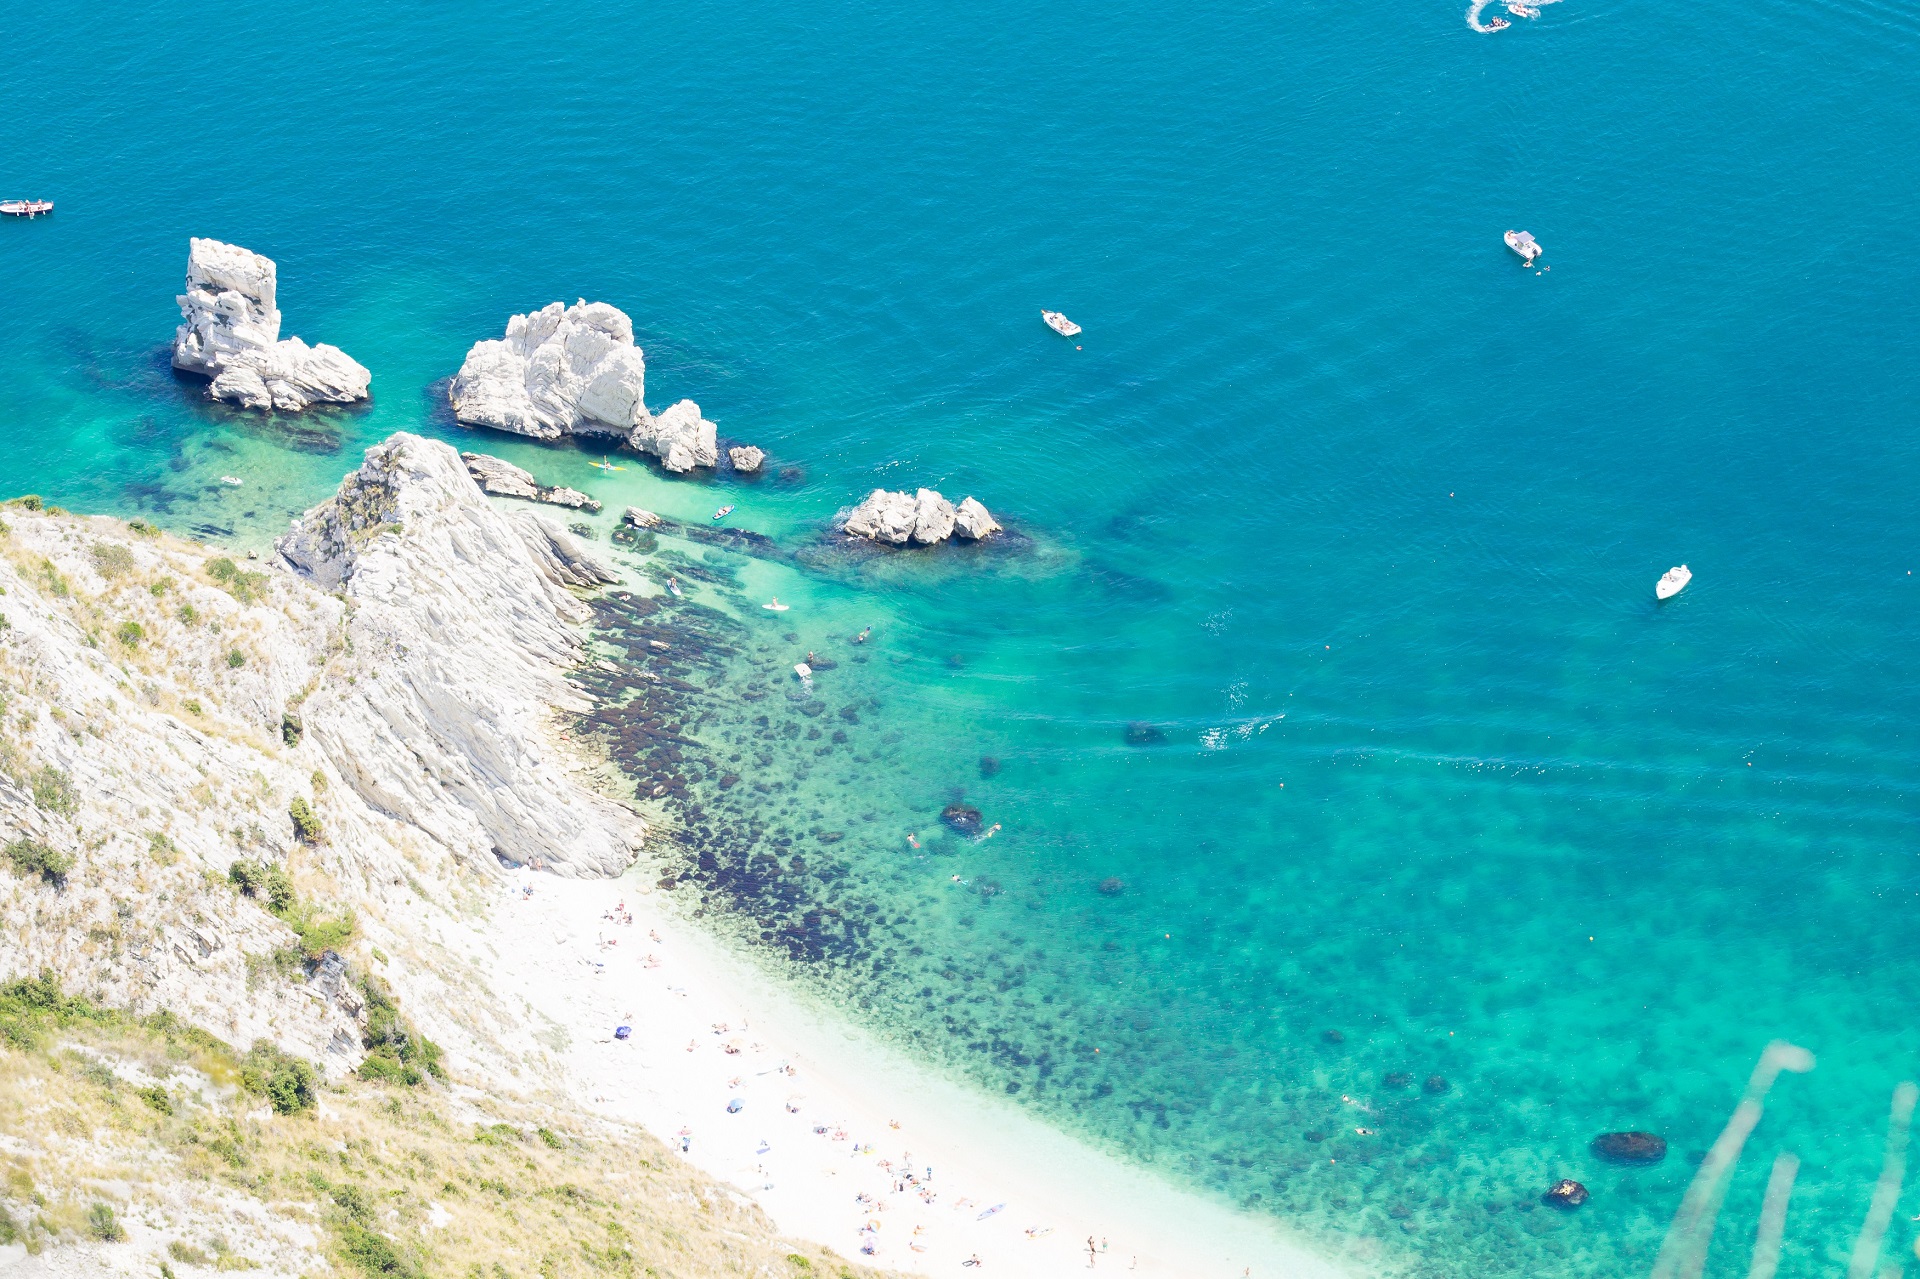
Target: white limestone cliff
[230, 333]
[419, 637]
[574, 370]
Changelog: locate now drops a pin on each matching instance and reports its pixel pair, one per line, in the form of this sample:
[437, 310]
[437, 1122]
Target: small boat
[776, 606]
[1520, 9]
[1498, 24]
[803, 670]
[26, 208]
[1672, 582]
[604, 465]
[233, 480]
[1060, 324]
[1522, 242]
[722, 513]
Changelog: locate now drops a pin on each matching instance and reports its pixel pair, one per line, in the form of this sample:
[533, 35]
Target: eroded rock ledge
[230, 332]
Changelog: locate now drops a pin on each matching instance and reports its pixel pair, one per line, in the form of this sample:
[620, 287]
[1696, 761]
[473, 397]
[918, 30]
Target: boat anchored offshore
[1060, 324]
[1523, 243]
[1672, 582]
[26, 208]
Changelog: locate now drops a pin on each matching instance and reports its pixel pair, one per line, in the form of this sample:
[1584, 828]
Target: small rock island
[230, 332]
[575, 371]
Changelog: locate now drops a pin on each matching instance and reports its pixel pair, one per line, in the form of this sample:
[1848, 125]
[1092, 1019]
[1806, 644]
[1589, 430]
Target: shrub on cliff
[264, 881]
[32, 857]
[283, 1079]
[111, 560]
[53, 791]
[396, 1052]
[244, 585]
[305, 823]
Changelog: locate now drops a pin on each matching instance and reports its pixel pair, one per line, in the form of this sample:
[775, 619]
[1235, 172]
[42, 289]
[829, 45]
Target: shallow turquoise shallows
[1358, 515]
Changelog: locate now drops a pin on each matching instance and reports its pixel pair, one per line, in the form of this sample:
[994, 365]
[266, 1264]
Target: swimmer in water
[861, 638]
[913, 839]
[991, 831]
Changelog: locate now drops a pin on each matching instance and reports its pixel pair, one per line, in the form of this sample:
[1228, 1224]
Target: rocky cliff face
[230, 332]
[163, 707]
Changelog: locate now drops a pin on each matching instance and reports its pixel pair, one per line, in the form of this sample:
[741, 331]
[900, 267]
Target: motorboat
[1672, 582]
[1498, 24]
[1519, 9]
[1522, 242]
[804, 671]
[1060, 324]
[233, 480]
[722, 513]
[26, 208]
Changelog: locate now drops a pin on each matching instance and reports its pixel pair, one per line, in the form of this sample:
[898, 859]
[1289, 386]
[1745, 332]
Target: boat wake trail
[1518, 8]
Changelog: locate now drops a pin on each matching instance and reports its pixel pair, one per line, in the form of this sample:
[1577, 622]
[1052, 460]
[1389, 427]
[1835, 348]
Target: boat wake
[1517, 8]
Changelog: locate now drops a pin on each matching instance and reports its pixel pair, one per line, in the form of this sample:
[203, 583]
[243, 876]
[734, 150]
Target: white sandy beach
[838, 1138]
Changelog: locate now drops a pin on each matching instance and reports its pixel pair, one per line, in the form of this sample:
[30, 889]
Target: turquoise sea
[1360, 516]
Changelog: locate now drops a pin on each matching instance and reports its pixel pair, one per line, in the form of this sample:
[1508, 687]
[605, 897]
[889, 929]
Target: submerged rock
[230, 333]
[961, 817]
[1398, 1079]
[746, 459]
[1437, 1084]
[989, 766]
[1565, 1193]
[1333, 1036]
[1630, 1147]
[1111, 886]
[502, 478]
[1141, 733]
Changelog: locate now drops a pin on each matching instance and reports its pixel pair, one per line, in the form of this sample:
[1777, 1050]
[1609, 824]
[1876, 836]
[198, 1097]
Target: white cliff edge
[416, 638]
[574, 370]
[230, 333]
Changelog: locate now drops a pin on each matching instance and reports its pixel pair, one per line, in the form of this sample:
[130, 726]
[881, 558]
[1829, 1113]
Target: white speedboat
[26, 208]
[1060, 324]
[1672, 582]
[1523, 243]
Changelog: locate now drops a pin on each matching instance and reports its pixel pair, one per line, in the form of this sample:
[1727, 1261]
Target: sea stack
[923, 518]
[574, 370]
[230, 333]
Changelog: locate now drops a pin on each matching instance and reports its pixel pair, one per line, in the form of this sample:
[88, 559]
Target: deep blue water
[1328, 453]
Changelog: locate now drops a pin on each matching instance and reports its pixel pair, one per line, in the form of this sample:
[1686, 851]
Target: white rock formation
[678, 436]
[746, 459]
[640, 518]
[574, 370]
[230, 332]
[883, 517]
[561, 370]
[924, 518]
[502, 478]
[932, 518]
[972, 522]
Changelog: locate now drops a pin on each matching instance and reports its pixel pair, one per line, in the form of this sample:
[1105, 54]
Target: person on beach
[1092, 1252]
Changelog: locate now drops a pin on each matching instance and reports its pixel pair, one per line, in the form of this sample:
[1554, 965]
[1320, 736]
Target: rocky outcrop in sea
[230, 332]
[922, 519]
[574, 370]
